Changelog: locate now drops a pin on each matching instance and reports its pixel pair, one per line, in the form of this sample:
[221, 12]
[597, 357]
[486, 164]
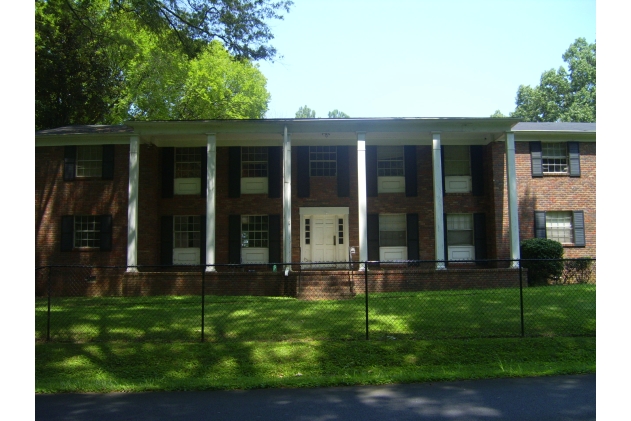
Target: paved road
[545, 398]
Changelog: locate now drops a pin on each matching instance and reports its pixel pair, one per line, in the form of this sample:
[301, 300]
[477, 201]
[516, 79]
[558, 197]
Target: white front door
[324, 239]
[324, 236]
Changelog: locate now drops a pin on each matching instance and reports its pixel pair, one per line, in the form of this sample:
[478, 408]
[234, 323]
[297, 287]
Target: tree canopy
[305, 112]
[338, 114]
[106, 61]
[563, 95]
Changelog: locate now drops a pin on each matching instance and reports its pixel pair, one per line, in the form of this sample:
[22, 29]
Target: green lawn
[548, 311]
[150, 366]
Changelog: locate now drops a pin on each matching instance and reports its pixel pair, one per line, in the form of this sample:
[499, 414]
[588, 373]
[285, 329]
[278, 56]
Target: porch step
[330, 285]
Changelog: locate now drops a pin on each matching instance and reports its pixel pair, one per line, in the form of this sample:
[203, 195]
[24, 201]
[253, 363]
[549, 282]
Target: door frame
[341, 250]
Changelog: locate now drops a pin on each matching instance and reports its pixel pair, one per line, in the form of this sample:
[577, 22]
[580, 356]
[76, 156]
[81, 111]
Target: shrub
[542, 272]
[578, 271]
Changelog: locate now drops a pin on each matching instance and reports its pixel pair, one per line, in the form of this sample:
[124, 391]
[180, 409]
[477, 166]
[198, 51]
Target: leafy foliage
[106, 61]
[305, 112]
[544, 271]
[338, 114]
[563, 95]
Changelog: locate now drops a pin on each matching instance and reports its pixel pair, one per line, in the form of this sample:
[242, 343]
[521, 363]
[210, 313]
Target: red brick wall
[558, 193]
[55, 197]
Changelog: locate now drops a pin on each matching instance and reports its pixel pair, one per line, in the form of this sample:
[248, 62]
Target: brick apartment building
[216, 192]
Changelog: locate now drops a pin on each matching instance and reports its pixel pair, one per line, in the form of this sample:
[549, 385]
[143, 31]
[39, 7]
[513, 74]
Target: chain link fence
[315, 301]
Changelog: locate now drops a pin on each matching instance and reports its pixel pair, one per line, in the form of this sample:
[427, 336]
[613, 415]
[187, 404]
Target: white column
[132, 205]
[361, 199]
[211, 177]
[287, 199]
[439, 228]
[513, 220]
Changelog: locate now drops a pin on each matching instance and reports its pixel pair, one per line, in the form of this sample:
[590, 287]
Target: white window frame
[89, 161]
[390, 169]
[186, 244]
[457, 169]
[554, 158]
[393, 223]
[323, 161]
[255, 238]
[460, 250]
[86, 231]
[187, 170]
[254, 169]
[560, 226]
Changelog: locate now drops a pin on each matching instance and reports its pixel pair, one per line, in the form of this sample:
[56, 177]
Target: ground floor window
[392, 237]
[87, 231]
[460, 240]
[566, 227]
[254, 239]
[186, 231]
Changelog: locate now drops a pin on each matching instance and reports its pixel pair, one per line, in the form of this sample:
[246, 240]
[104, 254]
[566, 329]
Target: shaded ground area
[518, 399]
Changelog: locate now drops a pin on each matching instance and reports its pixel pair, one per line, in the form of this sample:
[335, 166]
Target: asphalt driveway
[543, 398]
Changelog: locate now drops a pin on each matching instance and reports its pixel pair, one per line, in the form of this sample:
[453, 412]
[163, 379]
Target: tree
[166, 86]
[305, 112]
[105, 61]
[497, 114]
[239, 24]
[563, 95]
[338, 114]
[76, 78]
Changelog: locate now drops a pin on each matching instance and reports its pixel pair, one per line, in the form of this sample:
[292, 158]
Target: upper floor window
[457, 169]
[554, 158]
[390, 169]
[89, 161]
[390, 161]
[457, 161]
[187, 170]
[323, 161]
[188, 162]
[254, 162]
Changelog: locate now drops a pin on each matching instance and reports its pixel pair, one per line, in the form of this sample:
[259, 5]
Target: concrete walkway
[544, 398]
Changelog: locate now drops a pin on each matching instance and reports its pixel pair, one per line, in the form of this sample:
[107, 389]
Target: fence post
[521, 297]
[48, 312]
[203, 296]
[366, 289]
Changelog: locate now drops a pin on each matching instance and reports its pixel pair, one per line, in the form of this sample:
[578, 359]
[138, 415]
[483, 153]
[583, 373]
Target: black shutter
[445, 238]
[371, 172]
[107, 170]
[234, 171]
[304, 182]
[536, 159]
[479, 240]
[106, 233]
[274, 171]
[274, 239]
[166, 240]
[234, 239]
[202, 240]
[70, 159]
[409, 156]
[412, 233]
[575, 159]
[442, 173]
[477, 170]
[67, 233]
[343, 172]
[373, 236]
[168, 173]
[203, 173]
[540, 224]
[579, 228]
